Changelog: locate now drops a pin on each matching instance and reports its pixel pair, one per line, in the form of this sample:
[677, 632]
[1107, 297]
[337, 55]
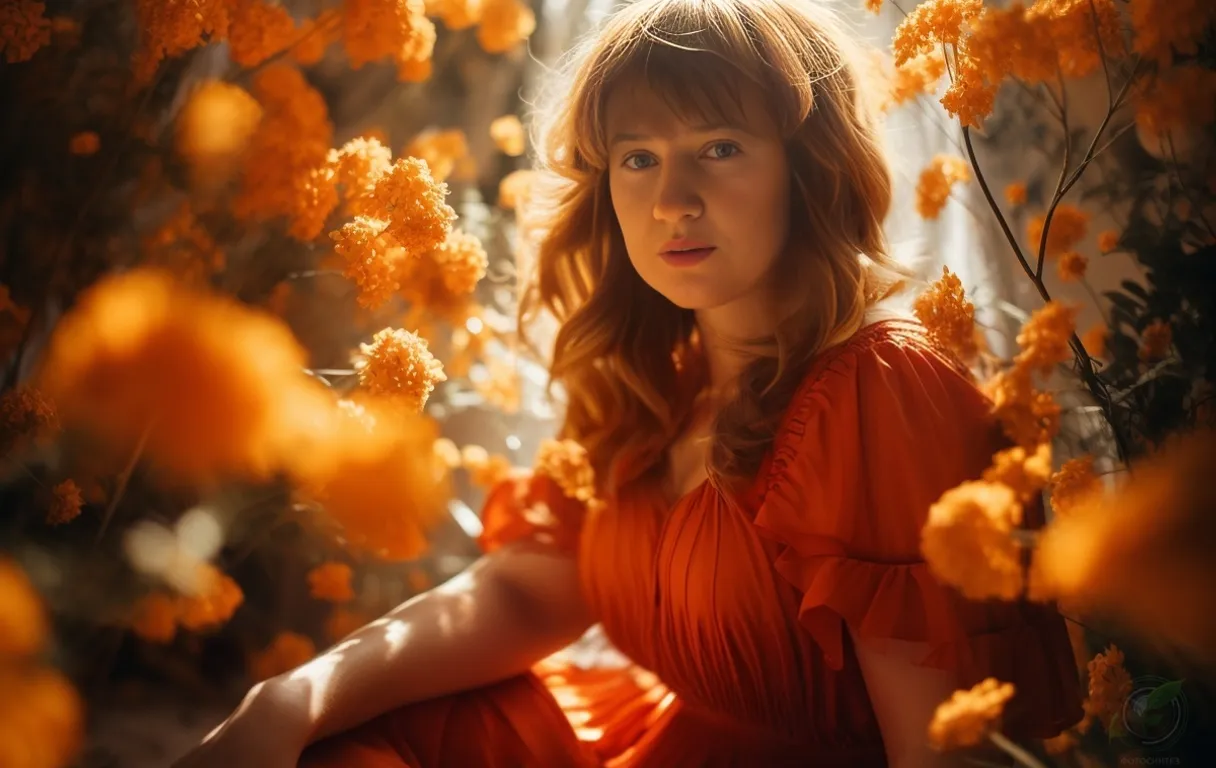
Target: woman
[765, 449]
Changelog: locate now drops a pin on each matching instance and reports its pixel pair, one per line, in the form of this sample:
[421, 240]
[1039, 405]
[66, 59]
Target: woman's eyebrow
[700, 128]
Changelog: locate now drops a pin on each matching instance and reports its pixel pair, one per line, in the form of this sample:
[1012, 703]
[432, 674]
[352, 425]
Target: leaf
[1123, 301]
[1162, 695]
[1114, 728]
[1134, 289]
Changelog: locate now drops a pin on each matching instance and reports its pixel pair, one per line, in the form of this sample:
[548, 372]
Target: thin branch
[1093, 15]
[1055, 198]
[123, 479]
[1015, 751]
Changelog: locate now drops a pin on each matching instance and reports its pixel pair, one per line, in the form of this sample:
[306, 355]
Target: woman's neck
[731, 337]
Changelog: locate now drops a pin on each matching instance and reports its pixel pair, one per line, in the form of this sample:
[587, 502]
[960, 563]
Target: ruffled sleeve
[530, 505]
[879, 430]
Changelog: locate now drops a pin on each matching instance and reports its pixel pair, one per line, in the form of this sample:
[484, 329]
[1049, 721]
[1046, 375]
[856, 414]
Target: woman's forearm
[493, 621]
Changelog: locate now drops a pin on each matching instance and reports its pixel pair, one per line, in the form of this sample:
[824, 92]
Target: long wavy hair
[624, 355]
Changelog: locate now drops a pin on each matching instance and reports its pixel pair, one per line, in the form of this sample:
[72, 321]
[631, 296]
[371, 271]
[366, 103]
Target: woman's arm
[495, 620]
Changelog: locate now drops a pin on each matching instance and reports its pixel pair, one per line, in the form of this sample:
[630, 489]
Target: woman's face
[704, 209]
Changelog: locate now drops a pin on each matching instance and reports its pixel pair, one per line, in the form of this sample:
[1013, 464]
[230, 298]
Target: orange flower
[258, 31]
[933, 188]
[375, 473]
[168, 30]
[948, 316]
[331, 581]
[26, 416]
[930, 24]
[291, 141]
[1071, 26]
[343, 621]
[443, 280]
[1015, 193]
[514, 187]
[1044, 337]
[566, 462]
[1159, 517]
[41, 718]
[873, 6]
[213, 129]
[84, 143]
[484, 470]
[455, 14]
[1012, 42]
[23, 622]
[1071, 266]
[397, 363]
[967, 540]
[1028, 417]
[214, 606]
[446, 153]
[1162, 28]
[508, 135]
[1094, 340]
[154, 618]
[288, 651]
[213, 387]
[499, 384]
[1108, 240]
[969, 716]
[1109, 685]
[504, 25]
[24, 29]
[1023, 472]
[1177, 99]
[183, 245]
[1073, 484]
[399, 30]
[1155, 341]
[970, 96]
[1068, 226]
[65, 503]
[919, 74]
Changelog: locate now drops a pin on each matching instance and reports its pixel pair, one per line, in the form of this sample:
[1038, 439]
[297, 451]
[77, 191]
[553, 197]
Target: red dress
[735, 614]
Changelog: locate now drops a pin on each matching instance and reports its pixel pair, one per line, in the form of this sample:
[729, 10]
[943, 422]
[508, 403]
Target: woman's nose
[677, 199]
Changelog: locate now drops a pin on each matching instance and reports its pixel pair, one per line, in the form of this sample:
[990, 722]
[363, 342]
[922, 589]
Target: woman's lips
[687, 258]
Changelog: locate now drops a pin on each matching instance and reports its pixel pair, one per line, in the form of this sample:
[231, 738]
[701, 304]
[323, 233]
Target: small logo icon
[1153, 715]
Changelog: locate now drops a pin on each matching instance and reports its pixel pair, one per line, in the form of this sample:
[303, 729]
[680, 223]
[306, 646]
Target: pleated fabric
[735, 610]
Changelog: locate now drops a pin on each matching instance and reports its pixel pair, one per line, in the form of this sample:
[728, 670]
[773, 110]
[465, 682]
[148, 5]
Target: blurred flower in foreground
[508, 135]
[213, 129]
[331, 581]
[213, 387]
[23, 622]
[968, 543]
[969, 716]
[1141, 553]
[936, 180]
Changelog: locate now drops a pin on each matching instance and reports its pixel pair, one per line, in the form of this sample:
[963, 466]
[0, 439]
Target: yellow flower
[1023, 472]
[933, 188]
[398, 364]
[566, 462]
[969, 716]
[947, 316]
[23, 622]
[508, 135]
[331, 581]
[65, 503]
[967, 540]
[1045, 336]
[1068, 226]
[1073, 483]
[288, 651]
[1108, 240]
[1015, 193]
[24, 29]
[1155, 341]
[1071, 266]
[504, 25]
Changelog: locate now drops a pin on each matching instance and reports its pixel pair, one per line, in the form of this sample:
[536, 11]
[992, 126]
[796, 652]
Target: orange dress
[734, 614]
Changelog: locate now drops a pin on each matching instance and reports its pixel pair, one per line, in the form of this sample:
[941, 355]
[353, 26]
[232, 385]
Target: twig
[1015, 751]
[1055, 198]
[1196, 208]
[123, 478]
[1093, 15]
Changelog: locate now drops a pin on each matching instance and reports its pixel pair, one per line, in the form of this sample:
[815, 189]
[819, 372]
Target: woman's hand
[268, 730]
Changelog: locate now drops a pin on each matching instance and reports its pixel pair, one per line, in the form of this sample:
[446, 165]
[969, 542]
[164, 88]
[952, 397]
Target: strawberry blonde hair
[622, 350]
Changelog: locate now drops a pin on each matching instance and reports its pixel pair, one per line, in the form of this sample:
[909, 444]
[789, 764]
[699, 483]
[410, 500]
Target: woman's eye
[629, 162]
[723, 150]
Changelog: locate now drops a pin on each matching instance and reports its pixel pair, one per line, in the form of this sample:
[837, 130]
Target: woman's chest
[690, 592]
